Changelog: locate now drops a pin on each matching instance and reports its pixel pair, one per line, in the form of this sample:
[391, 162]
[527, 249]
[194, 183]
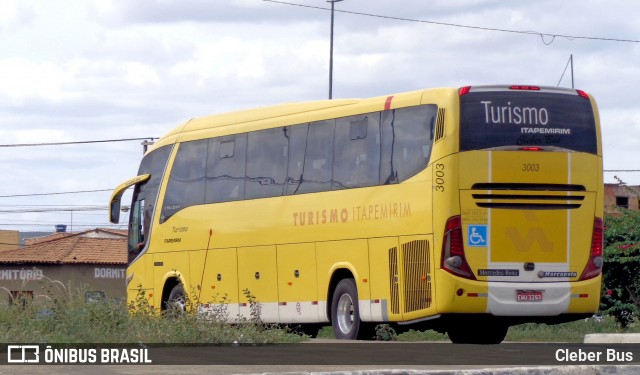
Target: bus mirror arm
[116, 196]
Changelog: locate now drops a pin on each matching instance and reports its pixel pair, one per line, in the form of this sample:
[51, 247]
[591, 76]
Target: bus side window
[186, 181]
[267, 154]
[297, 139]
[406, 142]
[357, 151]
[318, 158]
[226, 168]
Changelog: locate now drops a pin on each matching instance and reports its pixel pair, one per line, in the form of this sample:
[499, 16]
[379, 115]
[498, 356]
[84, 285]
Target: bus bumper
[518, 299]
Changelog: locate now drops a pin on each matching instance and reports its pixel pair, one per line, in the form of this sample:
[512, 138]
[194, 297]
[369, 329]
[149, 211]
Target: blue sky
[78, 70]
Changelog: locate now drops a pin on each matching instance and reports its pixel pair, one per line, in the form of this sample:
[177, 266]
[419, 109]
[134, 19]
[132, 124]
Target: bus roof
[295, 113]
[283, 114]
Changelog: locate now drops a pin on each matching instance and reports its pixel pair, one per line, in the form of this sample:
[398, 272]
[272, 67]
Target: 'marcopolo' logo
[27, 354]
[543, 274]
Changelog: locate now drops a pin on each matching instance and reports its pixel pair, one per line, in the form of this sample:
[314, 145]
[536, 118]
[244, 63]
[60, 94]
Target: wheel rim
[177, 305]
[345, 313]
[180, 304]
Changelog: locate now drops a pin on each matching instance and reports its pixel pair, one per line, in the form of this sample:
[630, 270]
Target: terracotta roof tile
[98, 250]
[75, 248]
[53, 236]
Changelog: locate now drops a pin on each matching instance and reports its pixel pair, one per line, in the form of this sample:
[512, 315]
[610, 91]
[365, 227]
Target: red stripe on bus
[387, 103]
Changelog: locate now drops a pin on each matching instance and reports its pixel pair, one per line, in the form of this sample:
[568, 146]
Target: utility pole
[145, 145]
[331, 50]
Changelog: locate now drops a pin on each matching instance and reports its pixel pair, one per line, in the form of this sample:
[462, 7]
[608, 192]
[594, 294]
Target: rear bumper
[558, 298]
[459, 295]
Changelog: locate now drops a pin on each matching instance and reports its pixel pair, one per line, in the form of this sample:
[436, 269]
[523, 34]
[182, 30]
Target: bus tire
[176, 302]
[345, 313]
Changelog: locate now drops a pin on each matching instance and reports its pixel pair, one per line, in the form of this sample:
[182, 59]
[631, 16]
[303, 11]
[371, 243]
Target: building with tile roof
[92, 262]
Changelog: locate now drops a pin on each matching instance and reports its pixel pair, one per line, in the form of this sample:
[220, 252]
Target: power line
[76, 142]
[542, 35]
[58, 193]
[88, 225]
[59, 209]
[47, 223]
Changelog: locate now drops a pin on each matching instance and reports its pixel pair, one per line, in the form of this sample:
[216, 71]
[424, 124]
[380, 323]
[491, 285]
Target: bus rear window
[504, 119]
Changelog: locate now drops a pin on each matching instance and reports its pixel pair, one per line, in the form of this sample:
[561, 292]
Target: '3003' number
[439, 174]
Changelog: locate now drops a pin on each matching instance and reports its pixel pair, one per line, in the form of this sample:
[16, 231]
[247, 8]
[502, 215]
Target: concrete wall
[9, 239]
[614, 191]
[49, 279]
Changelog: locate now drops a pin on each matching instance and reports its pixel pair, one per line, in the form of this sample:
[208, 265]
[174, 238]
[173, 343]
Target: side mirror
[116, 196]
[114, 215]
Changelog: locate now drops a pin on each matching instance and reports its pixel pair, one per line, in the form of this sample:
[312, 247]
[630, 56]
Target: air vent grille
[440, 125]
[393, 280]
[520, 196]
[417, 280]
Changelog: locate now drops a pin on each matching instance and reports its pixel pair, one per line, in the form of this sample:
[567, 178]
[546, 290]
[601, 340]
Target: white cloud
[22, 79]
[8, 12]
[12, 13]
[140, 74]
[621, 142]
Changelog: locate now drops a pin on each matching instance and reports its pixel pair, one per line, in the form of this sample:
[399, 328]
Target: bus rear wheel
[345, 313]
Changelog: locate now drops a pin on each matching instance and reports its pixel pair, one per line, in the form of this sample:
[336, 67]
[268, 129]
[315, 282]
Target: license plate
[529, 295]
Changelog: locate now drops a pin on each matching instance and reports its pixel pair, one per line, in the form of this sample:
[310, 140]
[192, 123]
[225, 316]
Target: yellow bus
[462, 210]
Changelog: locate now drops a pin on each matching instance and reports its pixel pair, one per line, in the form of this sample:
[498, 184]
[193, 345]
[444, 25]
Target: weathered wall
[48, 279]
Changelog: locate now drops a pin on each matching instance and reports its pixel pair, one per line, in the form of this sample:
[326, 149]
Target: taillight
[464, 90]
[594, 266]
[453, 258]
[529, 148]
[583, 94]
[525, 88]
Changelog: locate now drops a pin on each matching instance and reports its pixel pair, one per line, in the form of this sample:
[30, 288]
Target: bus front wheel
[345, 313]
[176, 302]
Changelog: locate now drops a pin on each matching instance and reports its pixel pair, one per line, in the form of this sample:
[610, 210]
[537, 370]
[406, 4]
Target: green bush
[385, 332]
[621, 279]
[68, 317]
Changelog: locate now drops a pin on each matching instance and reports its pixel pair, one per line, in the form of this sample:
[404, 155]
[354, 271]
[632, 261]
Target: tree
[621, 279]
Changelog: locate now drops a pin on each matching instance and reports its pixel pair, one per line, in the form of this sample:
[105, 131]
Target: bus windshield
[503, 119]
[144, 198]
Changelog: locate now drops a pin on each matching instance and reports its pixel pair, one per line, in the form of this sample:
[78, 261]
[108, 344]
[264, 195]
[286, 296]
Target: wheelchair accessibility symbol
[477, 235]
